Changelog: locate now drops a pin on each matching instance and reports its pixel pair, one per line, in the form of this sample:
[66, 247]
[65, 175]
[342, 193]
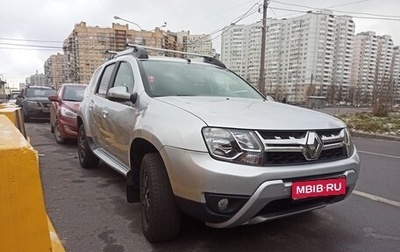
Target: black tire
[161, 217]
[57, 134]
[26, 118]
[25, 114]
[86, 157]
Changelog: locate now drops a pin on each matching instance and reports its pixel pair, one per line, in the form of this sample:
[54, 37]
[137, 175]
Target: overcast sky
[47, 23]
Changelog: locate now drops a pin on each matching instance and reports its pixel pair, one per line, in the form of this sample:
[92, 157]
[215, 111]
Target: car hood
[253, 113]
[72, 105]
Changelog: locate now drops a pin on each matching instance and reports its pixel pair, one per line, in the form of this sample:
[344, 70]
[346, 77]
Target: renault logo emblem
[313, 146]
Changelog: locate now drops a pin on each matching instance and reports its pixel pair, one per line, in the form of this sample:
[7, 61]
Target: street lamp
[140, 28]
[119, 18]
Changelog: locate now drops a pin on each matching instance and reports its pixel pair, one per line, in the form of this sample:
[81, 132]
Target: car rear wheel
[86, 156]
[26, 117]
[161, 217]
[57, 134]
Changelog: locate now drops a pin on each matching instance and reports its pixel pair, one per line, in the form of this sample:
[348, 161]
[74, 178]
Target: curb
[374, 135]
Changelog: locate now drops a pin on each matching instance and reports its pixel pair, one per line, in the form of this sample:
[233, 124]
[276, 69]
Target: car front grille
[285, 206]
[303, 147]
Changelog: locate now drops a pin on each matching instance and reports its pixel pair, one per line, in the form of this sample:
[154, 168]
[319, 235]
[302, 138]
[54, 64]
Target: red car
[63, 111]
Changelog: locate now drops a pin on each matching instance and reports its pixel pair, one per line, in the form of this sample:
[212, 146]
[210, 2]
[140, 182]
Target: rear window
[189, 79]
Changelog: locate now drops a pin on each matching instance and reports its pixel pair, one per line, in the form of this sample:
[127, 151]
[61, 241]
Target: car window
[124, 77]
[105, 79]
[74, 93]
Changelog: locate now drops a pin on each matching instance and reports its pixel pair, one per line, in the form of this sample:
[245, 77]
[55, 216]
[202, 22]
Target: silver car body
[173, 125]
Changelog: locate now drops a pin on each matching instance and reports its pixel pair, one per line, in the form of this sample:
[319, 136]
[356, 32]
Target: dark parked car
[63, 111]
[34, 102]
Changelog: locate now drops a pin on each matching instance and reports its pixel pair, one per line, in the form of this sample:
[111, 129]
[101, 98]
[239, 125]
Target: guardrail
[24, 222]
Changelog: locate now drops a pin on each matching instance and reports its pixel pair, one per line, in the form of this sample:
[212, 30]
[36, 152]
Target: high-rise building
[53, 70]
[87, 47]
[372, 68]
[305, 55]
[396, 76]
[198, 44]
[38, 79]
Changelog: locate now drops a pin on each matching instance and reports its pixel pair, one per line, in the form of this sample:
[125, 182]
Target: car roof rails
[140, 52]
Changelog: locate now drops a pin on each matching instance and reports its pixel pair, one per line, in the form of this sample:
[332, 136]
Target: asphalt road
[90, 213]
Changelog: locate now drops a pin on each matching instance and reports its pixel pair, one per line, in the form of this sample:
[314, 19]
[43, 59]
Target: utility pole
[261, 78]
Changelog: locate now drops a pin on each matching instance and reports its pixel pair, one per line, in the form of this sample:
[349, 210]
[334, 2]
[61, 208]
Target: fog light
[223, 204]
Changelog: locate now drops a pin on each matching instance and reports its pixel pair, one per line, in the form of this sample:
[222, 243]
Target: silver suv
[192, 137]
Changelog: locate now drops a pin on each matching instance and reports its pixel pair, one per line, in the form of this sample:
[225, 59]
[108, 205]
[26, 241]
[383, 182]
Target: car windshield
[40, 92]
[187, 79]
[74, 93]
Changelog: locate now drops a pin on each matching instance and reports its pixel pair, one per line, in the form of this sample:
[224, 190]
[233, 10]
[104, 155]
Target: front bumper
[267, 190]
[68, 127]
[37, 111]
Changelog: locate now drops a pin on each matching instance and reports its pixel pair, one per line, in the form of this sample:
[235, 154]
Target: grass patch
[366, 122]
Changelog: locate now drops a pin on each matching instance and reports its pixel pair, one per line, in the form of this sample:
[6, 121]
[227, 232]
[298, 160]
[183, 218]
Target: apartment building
[305, 55]
[395, 94]
[38, 79]
[198, 44]
[53, 70]
[240, 50]
[87, 47]
[373, 67]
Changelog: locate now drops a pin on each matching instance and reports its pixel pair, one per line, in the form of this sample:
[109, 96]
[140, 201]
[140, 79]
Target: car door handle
[105, 113]
[91, 104]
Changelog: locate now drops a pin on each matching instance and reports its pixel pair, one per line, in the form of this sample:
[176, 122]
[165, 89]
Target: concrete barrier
[14, 113]
[24, 223]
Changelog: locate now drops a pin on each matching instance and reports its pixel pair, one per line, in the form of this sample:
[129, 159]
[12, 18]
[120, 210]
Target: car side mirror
[53, 98]
[120, 94]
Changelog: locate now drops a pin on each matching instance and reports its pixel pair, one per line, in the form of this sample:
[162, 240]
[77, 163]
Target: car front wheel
[57, 134]
[86, 156]
[161, 217]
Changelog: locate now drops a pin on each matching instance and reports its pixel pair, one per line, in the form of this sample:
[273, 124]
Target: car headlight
[238, 146]
[67, 113]
[348, 142]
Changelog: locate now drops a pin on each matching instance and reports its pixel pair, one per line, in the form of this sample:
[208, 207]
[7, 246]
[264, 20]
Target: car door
[97, 100]
[120, 116]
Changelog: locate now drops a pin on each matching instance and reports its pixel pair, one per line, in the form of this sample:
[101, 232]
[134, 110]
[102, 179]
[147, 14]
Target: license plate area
[318, 188]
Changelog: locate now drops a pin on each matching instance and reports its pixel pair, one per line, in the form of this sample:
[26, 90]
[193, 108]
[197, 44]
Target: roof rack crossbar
[206, 58]
[137, 51]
